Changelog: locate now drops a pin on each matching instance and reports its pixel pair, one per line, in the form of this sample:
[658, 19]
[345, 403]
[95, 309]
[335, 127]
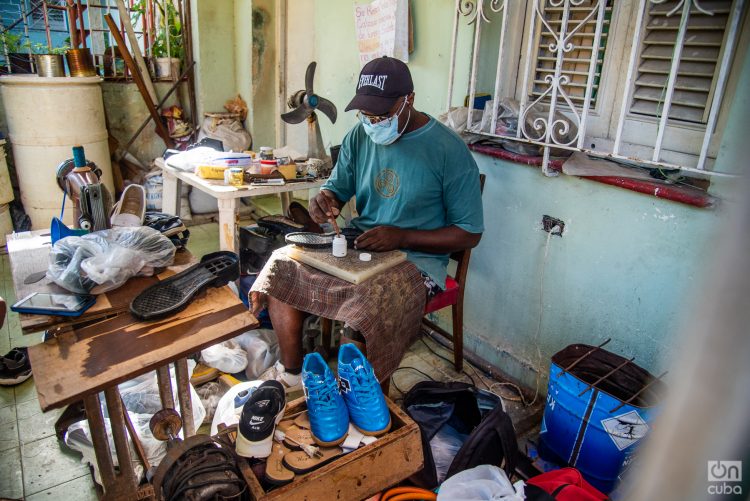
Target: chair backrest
[462, 257]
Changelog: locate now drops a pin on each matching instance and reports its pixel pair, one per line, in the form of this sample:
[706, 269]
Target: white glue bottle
[339, 246]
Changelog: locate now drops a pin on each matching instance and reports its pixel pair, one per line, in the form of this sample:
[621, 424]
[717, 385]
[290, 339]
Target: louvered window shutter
[576, 62]
[698, 67]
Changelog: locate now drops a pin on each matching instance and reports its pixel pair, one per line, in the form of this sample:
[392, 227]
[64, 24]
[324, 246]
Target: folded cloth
[387, 309]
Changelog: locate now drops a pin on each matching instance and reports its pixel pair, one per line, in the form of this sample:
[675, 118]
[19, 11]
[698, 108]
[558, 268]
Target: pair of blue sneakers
[356, 396]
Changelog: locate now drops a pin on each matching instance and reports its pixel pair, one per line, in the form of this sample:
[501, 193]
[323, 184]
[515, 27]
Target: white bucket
[6, 190]
[6, 223]
[46, 118]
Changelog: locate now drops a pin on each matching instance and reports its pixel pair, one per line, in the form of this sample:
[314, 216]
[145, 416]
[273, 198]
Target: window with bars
[575, 62]
[655, 82]
[698, 64]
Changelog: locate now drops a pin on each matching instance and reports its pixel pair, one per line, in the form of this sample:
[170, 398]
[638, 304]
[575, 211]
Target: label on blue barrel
[626, 429]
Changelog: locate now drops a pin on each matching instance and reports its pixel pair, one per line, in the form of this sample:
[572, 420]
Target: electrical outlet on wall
[549, 222]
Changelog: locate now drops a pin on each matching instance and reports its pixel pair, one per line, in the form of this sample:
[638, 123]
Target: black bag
[479, 414]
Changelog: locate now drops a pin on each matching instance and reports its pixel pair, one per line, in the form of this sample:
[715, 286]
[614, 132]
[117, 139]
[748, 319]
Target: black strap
[560, 488]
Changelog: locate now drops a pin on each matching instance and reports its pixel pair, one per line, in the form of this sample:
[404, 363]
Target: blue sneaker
[361, 391]
[329, 419]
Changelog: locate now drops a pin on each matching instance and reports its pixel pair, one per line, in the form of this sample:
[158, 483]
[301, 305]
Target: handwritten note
[382, 28]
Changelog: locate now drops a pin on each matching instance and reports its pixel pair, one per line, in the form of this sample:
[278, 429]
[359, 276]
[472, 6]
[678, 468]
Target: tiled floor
[35, 466]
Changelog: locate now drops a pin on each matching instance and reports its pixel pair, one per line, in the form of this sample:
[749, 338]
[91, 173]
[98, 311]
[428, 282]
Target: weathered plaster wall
[126, 111]
[629, 264]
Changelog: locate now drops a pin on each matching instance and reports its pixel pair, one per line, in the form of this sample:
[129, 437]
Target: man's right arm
[324, 206]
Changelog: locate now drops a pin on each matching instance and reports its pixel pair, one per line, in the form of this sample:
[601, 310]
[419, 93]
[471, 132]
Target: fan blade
[328, 108]
[309, 76]
[297, 115]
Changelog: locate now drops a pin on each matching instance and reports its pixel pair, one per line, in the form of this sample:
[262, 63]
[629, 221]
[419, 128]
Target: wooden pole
[141, 63]
[138, 79]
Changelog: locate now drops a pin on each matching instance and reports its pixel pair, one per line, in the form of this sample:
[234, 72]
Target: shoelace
[323, 393]
[366, 389]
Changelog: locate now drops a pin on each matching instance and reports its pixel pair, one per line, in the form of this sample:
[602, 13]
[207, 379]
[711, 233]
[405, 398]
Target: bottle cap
[365, 256]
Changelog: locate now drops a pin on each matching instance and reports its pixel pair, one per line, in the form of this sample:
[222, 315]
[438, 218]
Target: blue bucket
[590, 427]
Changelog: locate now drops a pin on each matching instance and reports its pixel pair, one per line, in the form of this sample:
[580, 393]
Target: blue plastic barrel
[591, 430]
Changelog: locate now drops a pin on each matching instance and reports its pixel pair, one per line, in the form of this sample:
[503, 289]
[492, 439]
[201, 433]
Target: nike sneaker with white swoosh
[260, 415]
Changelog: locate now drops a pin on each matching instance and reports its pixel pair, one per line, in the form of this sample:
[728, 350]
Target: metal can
[266, 153]
[237, 176]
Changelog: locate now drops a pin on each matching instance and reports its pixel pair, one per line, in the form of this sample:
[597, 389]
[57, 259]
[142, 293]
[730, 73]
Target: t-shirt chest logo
[387, 183]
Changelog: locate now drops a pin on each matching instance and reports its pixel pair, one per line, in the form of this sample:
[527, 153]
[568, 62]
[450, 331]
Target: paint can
[49, 65]
[587, 423]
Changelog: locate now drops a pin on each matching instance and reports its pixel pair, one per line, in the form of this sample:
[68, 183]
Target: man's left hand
[381, 239]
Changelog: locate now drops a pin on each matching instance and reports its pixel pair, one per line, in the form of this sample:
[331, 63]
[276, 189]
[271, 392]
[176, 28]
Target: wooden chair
[453, 296]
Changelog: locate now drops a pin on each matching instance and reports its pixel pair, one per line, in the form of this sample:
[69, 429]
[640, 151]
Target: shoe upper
[262, 411]
[15, 362]
[277, 372]
[329, 419]
[361, 390]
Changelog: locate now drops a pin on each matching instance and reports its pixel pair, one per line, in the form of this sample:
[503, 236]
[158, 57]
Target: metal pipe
[452, 65]
[46, 25]
[474, 60]
[183, 394]
[496, 96]
[672, 77]
[592, 69]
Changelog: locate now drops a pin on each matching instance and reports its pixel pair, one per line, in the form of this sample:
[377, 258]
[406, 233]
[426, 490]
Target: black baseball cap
[381, 82]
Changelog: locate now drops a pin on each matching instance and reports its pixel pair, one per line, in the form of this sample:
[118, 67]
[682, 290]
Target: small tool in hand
[335, 226]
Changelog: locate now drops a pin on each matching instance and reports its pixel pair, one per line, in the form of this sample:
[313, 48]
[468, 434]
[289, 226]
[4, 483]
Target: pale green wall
[627, 264]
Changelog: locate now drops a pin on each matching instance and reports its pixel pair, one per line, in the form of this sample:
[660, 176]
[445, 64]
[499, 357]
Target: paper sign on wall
[382, 28]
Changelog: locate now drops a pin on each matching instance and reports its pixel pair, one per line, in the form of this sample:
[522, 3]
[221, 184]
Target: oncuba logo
[725, 477]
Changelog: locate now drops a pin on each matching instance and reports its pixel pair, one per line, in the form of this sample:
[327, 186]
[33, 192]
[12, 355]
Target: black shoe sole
[173, 295]
[14, 380]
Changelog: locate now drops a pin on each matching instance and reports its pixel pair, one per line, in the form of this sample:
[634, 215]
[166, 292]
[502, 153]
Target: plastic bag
[227, 128]
[141, 399]
[262, 349]
[228, 357]
[210, 394]
[226, 412]
[482, 483]
[104, 260]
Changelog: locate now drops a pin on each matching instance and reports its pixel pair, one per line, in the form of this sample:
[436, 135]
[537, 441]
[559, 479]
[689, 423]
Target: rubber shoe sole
[17, 379]
[374, 433]
[334, 442]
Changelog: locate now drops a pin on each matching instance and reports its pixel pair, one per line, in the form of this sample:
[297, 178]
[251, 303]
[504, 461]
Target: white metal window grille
[575, 63]
[553, 115]
[698, 68]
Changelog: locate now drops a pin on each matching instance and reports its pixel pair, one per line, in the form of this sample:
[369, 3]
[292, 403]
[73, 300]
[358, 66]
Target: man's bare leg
[287, 323]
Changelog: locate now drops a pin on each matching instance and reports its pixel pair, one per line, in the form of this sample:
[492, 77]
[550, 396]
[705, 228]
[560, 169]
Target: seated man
[417, 189]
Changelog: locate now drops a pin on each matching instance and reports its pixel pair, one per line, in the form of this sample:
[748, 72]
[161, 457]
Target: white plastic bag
[228, 357]
[104, 260]
[481, 483]
[141, 398]
[262, 349]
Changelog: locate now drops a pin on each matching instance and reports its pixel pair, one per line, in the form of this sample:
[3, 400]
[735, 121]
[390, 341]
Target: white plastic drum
[6, 190]
[46, 118]
[6, 223]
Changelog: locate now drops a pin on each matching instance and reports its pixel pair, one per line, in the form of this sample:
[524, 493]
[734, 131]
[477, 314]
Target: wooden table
[29, 253]
[227, 197]
[79, 364]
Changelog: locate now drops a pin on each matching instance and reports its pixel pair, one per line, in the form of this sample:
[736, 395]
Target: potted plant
[167, 49]
[49, 60]
[17, 61]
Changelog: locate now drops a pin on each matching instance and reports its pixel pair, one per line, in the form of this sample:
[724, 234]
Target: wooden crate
[357, 475]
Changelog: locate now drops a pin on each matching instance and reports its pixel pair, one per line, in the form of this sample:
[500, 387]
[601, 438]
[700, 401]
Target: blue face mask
[386, 131]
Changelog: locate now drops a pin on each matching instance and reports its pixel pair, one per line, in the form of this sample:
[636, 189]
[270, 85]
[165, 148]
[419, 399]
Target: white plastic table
[227, 197]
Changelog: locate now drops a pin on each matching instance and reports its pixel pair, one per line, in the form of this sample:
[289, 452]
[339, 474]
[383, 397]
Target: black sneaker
[260, 415]
[14, 367]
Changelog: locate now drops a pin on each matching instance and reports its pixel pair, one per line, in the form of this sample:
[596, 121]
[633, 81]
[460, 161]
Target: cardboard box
[357, 475]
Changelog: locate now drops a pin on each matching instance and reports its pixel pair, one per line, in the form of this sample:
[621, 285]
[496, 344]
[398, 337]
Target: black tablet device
[40, 303]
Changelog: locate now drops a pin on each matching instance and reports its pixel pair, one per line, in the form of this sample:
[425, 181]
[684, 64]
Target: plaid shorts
[433, 289]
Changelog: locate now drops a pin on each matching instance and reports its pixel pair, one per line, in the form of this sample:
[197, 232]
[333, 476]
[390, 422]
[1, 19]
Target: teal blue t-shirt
[424, 181]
